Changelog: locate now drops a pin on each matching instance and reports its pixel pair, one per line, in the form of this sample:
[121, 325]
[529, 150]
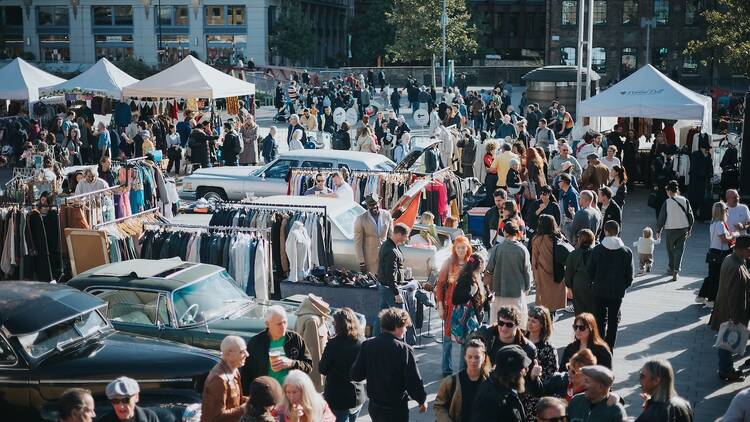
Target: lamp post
[444, 22]
[161, 47]
[648, 23]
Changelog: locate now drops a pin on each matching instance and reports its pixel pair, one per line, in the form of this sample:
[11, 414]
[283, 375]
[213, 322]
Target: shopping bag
[732, 337]
[463, 322]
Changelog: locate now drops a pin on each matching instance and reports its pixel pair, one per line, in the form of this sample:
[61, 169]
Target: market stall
[22, 81]
[103, 79]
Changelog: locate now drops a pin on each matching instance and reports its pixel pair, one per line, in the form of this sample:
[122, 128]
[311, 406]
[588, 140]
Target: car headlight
[187, 186]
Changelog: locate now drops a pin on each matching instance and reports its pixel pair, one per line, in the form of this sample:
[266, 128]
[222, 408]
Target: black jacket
[612, 212]
[200, 146]
[491, 221]
[495, 403]
[231, 148]
[676, 410]
[602, 354]
[468, 152]
[258, 364]
[390, 368]
[390, 265]
[611, 268]
[290, 132]
[269, 149]
[336, 363]
[141, 415]
[341, 141]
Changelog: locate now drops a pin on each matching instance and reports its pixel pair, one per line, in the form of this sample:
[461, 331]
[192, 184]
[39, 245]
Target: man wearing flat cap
[371, 230]
[591, 405]
[497, 399]
[123, 394]
[596, 174]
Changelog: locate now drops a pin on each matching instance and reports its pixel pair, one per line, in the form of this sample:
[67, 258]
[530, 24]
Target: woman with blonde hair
[302, 403]
[446, 284]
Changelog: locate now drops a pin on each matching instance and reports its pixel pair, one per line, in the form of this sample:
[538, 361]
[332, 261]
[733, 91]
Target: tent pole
[579, 53]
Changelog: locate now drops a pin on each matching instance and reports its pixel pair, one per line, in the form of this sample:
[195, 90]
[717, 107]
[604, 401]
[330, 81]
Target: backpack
[561, 248]
[338, 141]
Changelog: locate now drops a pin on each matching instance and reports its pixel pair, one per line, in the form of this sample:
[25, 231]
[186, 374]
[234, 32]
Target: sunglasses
[507, 324]
[119, 401]
[320, 181]
[580, 327]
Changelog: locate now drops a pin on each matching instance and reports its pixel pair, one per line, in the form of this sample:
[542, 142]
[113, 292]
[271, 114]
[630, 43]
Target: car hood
[229, 172]
[113, 355]
[251, 321]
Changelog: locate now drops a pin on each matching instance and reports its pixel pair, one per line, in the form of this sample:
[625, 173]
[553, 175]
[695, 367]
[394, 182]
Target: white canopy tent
[190, 78]
[648, 93]
[22, 81]
[103, 79]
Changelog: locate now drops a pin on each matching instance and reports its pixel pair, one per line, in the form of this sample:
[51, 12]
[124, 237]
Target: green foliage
[727, 37]
[136, 68]
[292, 37]
[419, 33]
[371, 33]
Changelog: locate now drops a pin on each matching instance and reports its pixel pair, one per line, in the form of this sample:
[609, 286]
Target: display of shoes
[321, 276]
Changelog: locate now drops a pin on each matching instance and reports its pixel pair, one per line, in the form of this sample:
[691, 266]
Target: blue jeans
[345, 415]
[725, 361]
[415, 106]
[387, 300]
[448, 355]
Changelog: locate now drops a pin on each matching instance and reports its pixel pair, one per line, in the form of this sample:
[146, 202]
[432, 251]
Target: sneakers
[701, 300]
[648, 268]
[640, 273]
[674, 276]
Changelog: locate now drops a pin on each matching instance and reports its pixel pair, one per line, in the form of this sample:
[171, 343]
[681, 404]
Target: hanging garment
[298, 251]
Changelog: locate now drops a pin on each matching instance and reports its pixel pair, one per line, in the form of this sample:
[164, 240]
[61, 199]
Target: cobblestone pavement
[659, 320]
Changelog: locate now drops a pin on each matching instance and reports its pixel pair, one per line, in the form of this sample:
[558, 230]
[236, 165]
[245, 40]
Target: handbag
[732, 337]
[463, 322]
[716, 256]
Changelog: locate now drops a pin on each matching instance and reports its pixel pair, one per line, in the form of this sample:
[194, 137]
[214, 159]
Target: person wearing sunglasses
[319, 188]
[76, 405]
[587, 337]
[594, 403]
[661, 402]
[551, 409]
[123, 394]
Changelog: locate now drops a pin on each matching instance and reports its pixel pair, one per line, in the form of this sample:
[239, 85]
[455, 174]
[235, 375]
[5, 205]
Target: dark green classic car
[186, 302]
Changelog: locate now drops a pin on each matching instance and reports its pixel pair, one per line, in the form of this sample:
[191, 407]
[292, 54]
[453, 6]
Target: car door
[132, 310]
[15, 384]
[274, 180]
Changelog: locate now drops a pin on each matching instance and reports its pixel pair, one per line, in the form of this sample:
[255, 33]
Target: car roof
[334, 206]
[369, 158]
[20, 302]
[152, 274]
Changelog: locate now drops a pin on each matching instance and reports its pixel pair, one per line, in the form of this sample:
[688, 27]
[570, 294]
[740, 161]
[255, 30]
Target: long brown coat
[548, 293]
[731, 300]
[368, 237]
[595, 176]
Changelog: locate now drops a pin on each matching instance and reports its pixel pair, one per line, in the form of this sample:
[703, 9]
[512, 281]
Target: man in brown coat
[371, 230]
[222, 392]
[596, 174]
[732, 301]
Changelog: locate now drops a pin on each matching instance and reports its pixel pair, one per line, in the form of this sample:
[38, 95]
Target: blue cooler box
[475, 221]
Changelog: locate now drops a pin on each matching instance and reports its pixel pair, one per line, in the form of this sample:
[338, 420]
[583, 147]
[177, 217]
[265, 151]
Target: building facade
[620, 43]
[82, 31]
[515, 28]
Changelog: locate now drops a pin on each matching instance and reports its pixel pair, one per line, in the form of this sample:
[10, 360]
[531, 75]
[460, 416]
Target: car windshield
[213, 297]
[385, 165]
[61, 335]
[345, 220]
[260, 170]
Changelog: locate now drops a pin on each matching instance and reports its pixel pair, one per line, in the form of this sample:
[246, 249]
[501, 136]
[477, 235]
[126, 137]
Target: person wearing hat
[592, 405]
[123, 393]
[731, 303]
[262, 397]
[222, 391]
[308, 121]
[371, 229]
[498, 397]
[596, 174]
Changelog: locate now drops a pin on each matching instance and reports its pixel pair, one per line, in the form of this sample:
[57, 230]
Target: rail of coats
[442, 196]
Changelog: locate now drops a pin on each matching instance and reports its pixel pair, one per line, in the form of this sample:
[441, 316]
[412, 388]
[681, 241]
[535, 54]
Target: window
[54, 48]
[12, 16]
[225, 46]
[317, 164]
[630, 12]
[52, 16]
[628, 61]
[7, 356]
[113, 15]
[599, 59]
[600, 12]
[271, 18]
[124, 15]
[568, 56]
[236, 15]
[214, 15]
[569, 12]
[12, 48]
[133, 307]
[181, 17]
[498, 22]
[165, 15]
[661, 12]
[102, 15]
[280, 169]
[693, 9]
[659, 58]
[113, 47]
[689, 65]
[176, 47]
[513, 25]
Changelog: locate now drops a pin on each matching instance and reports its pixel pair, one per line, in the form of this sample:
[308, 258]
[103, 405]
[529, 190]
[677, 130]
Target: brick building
[620, 42]
[515, 28]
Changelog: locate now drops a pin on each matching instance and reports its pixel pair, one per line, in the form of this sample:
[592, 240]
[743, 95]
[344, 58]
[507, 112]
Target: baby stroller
[283, 114]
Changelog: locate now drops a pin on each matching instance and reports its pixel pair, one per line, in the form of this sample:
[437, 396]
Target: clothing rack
[94, 193]
[327, 170]
[211, 228]
[120, 220]
[133, 160]
[320, 209]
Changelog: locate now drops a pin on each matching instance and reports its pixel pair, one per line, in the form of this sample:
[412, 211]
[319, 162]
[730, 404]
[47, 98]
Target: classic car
[54, 337]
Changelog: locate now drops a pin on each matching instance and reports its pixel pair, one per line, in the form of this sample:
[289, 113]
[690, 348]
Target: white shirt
[615, 162]
[738, 215]
[717, 229]
[646, 245]
[295, 145]
[344, 191]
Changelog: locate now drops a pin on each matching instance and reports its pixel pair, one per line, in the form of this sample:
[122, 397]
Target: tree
[727, 37]
[419, 33]
[292, 36]
[370, 33]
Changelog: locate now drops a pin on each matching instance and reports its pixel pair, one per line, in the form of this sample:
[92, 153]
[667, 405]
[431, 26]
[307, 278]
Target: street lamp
[648, 23]
[444, 23]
